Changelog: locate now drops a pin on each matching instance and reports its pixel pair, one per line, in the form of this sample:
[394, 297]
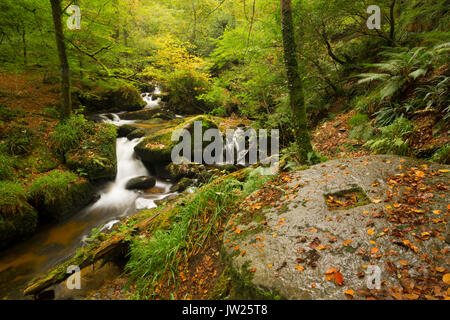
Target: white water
[106, 118]
[150, 99]
[114, 196]
[128, 167]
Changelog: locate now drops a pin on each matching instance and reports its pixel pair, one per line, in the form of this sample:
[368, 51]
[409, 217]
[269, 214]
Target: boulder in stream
[136, 134]
[182, 185]
[157, 147]
[141, 183]
[125, 130]
[122, 98]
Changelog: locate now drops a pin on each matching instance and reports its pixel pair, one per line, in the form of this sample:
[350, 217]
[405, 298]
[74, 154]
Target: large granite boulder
[320, 233]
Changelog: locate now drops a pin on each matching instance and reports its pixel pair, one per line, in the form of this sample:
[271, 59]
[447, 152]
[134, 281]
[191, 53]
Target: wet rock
[136, 134]
[141, 183]
[303, 232]
[146, 114]
[166, 199]
[186, 170]
[95, 118]
[182, 185]
[125, 130]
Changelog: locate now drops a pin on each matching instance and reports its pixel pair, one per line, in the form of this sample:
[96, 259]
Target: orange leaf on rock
[339, 278]
[350, 292]
[331, 271]
[446, 278]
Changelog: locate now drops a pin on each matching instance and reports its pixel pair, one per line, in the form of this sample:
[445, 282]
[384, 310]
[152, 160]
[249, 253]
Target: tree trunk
[66, 104]
[24, 46]
[295, 83]
[392, 21]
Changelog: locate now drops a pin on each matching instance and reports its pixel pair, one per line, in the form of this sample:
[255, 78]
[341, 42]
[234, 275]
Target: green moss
[95, 155]
[121, 97]
[18, 140]
[68, 134]
[88, 148]
[17, 217]
[442, 155]
[7, 114]
[361, 198]
[243, 288]
[60, 193]
[6, 167]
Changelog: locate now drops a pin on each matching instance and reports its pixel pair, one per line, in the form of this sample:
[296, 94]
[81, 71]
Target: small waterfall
[114, 194]
[151, 98]
[128, 167]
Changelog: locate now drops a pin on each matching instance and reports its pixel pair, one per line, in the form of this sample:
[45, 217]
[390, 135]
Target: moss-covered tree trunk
[66, 104]
[295, 83]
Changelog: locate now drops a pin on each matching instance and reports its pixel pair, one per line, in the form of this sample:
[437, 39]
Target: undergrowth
[153, 261]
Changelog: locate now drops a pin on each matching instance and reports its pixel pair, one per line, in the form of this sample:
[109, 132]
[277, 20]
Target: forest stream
[56, 242]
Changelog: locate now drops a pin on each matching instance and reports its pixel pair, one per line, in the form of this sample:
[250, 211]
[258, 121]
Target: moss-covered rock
[186, 170]
[124, 98]
[17, 218]
[95, 154]
[125, 130]
[157, 148]
[146, 114]
[60, 193]
[182, 185]
[136, 134]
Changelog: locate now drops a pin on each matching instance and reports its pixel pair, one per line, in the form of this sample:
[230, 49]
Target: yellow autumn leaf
[446, 278]
[370, 232]
[350, 292]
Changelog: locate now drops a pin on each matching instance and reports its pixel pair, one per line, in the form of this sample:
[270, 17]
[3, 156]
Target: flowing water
[54, 243]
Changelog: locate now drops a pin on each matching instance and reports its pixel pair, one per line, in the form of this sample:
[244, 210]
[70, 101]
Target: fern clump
[393, 138]
[17, 217]
[442, 155]
[69, 133]
[360, 127]
[6, 167]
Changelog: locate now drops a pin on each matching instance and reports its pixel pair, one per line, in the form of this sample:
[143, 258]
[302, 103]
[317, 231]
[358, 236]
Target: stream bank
[55, 242]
